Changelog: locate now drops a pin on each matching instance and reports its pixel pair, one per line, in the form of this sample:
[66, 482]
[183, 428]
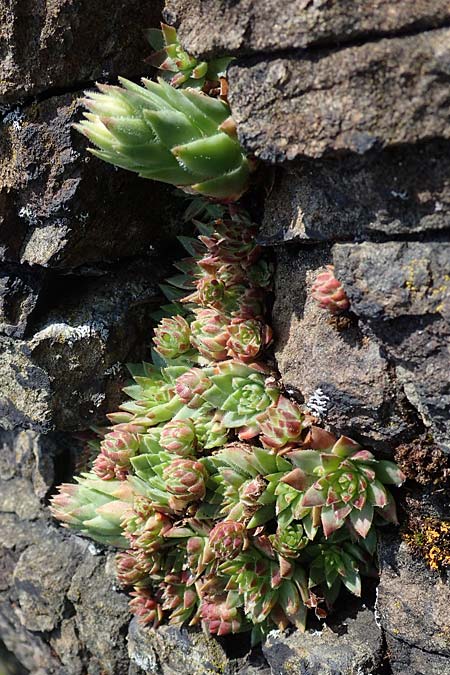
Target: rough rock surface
[60, 207]
[169, 651]
[417, 624]
[323, 102]
[357, 647]
[244, 26]
[59, 44]
[69, 370]
[323, 356]
[54, 586]
[400, 191]
[391, 283]
[357, 94]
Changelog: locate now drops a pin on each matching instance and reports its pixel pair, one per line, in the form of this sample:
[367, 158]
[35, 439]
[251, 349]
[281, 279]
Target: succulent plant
[147, 609]
[180, 599]
[209, 427]
[242, 483]
[347, 482]
[220, 617]
[179, 437]
[328, 292]
[271, 597]
[209, 334]
[338, 561]
[241, 393]
[232, 536]
[192, 384]
[172, 337]
[247, 339]
[232, 241]
[281, 424]
[185, 480]
[174, 136]
[146, 534]
[116, 450]
[227, 539]
[289, 541]
[177, 66]
[130, 572]
[94, 507]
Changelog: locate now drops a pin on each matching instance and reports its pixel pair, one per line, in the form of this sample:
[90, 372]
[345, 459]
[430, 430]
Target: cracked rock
[50, 45]
[413, 609]
[170, 651]
[70, 370]
[244, 26]
[56, 589]
[402, 291]
[320, 355]
[399, 191]
[318, 103]
[60, 207]
[356, 648]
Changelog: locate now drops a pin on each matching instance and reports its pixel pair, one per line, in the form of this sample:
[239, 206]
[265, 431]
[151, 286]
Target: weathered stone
[24, 388]
[402, 190]
[357, 649]
[60, 611]
[407, 660]
[320, 103]
[316, 352]
[48, 46]
[19, 292]
[70, 371]
[412, 606]
[170, 651]
[30, 648]
[60, 207]
[99, 600]
[402, 290]
[41, 596]
[243, 26]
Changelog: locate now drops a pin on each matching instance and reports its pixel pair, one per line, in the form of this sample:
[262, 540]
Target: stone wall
[348, 106]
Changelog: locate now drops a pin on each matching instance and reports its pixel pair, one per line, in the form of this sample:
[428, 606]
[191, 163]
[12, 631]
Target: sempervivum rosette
[218, 532]
[347, 482]
[185, 480]
[241, 393]
[209, 334]
[328, 292]
[179, 437]
[172, 337]
[177, 137]
[247, 339]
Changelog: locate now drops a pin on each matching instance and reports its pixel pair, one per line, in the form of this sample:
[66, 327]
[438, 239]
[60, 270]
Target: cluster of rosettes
[223, 313]
[232, 511]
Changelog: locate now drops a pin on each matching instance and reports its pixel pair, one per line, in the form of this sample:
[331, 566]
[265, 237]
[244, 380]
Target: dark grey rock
[401, 190]
[60, 610]
[355, 650]
[61, 207]
[320, 103]
[41, 596]
[100, 601]
[316, 352]
[402, 290]
[412, 606]
[170, 651]
[70, 370]
[407, 660]
[19, 293]
[54, 46]
[243, 26]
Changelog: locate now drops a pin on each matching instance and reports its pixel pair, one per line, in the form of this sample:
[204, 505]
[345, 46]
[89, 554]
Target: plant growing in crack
[231, 510]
